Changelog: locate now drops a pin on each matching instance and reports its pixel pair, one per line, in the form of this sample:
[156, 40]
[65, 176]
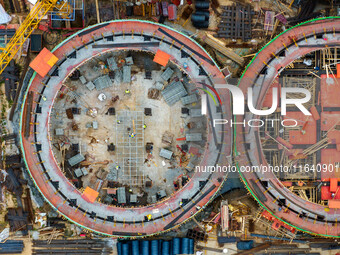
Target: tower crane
[30, 23]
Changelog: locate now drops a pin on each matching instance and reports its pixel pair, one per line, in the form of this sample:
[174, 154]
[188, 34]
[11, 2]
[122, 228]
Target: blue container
[191, 246]
[245, 245]
[135, 247]
[166, 248]
[154, 247]
[176, 246]
[145, 247]
[185, 246]
[125, 248]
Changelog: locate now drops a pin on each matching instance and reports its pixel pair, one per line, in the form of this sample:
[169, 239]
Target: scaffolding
[130, 146]
[279, 232]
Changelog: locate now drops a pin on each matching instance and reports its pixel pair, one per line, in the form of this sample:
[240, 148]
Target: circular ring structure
[35, 124]
[260, 75]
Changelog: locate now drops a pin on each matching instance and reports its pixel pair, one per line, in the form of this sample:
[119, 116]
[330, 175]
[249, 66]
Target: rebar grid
[130, 146]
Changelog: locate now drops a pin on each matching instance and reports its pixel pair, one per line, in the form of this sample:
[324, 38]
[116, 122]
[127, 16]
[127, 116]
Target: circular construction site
[301, 187]
[115, 135]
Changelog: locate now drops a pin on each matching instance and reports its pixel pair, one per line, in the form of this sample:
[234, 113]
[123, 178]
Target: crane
[30, 23]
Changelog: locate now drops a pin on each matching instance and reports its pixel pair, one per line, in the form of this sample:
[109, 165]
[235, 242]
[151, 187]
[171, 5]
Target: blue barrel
[185, 246]
[197, 18]
[135, 247]
[202, 5]
[245, 245]
[176, 246]
[166, 248]
[191, 246]
[119, 248]
[206, 14]
[160, 242]
[125, 248]
[145, 247]
[204, 24]
[154, 247]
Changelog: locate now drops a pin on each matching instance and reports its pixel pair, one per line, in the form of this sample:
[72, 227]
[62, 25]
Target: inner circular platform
[126, 133]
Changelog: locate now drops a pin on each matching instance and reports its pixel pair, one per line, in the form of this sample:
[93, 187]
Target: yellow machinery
[30, 23]
[64, 9]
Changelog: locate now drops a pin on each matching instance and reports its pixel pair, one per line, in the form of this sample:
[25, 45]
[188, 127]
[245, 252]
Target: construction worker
[127, 91]
[132, 135]
[144, 126]
[117, 167]
[118, 121]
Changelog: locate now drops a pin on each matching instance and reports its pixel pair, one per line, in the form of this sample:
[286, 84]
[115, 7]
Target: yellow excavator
[31, 22]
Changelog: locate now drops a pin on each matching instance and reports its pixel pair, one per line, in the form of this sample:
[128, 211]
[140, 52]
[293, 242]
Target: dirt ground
[94, 143]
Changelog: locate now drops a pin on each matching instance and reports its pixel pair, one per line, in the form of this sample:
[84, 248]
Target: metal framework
[25, 30]
[130, 146]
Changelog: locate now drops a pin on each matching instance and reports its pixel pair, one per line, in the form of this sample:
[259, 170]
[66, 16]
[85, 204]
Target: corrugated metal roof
[102, 82]
[173, 92]
[84, 170]
[118, 77]
[113, 175]
[159, 85]
[121, 195]
[165, 153]
[112, 64]
[189, 99]
[82, 79]
[126, 74]
[166, 75]
[133, 198]
[193, 137]
[78, 172]
[195, 113]
[90, 85]
[76, 159]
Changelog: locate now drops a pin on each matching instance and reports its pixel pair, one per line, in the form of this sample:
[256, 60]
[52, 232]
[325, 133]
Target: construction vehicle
[31, 22]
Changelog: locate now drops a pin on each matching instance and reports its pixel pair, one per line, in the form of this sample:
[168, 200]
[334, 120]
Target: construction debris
[219, 46]
[236, 22]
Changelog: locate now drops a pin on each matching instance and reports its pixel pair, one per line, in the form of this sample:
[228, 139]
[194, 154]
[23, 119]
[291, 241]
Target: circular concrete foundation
[38, 129]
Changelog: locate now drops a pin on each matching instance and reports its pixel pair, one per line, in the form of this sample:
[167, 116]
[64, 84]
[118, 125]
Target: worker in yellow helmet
[127, 91]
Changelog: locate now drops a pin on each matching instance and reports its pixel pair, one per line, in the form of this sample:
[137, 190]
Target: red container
[172, 12]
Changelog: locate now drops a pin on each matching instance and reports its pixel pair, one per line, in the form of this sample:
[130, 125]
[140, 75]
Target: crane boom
[30, 23]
